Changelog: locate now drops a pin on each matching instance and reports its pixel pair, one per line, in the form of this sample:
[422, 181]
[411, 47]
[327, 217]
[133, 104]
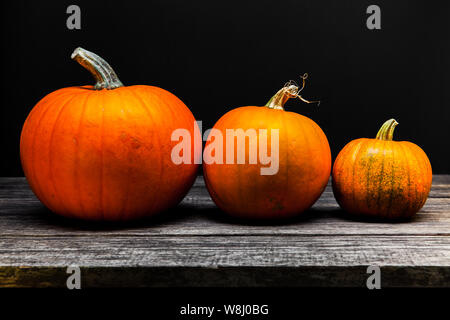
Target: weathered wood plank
[196, 244]
[225, 251]
[225, 261]
[197, 215]
[208, 222]
[138, 276]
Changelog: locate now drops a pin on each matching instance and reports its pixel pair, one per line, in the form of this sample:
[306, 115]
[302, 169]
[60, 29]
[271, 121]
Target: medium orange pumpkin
[380, 177]
[103, 152]
[304, 163]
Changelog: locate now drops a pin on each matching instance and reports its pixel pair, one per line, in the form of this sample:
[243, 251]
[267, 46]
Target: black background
[283, 303]
[218, 55]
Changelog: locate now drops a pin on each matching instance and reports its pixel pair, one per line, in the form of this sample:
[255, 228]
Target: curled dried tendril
[290, 90]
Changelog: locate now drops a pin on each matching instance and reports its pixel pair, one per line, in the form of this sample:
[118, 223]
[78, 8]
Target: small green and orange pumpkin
[380, 177]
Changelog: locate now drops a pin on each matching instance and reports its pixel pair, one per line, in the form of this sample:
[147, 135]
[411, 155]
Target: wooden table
[196, 245]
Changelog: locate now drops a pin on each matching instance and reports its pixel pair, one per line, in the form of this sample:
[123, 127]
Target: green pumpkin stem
[386, 131]
[290, 90]
[104, 75]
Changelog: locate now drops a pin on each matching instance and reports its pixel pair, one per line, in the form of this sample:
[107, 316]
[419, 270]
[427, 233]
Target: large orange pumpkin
[380, 177]
[103, 152]
[304, 164]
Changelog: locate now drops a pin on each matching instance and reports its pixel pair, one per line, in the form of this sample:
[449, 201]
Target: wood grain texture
[197, 245]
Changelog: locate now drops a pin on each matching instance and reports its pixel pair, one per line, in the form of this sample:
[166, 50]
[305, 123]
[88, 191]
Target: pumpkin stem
[386, 131]
[290, 90]
[103, 73]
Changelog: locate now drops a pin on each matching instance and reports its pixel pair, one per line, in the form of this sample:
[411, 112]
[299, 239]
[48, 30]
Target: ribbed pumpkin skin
[304, 167]
[106, 154]
[385, 179]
